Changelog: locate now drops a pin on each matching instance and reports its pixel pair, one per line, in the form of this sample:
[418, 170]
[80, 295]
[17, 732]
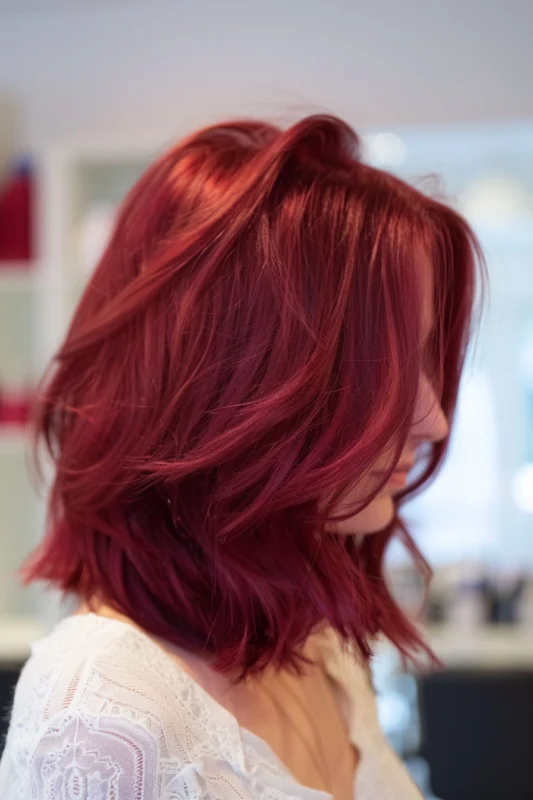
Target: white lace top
[101, 712]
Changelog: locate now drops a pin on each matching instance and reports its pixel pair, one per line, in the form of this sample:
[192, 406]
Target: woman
[273, 337]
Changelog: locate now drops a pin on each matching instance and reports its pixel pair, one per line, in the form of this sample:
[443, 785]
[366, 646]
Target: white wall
[156, 66]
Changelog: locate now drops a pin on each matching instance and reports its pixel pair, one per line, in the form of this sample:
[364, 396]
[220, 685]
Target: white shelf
[485, 647]
[479, 647]
[16, 278]
[13, 440]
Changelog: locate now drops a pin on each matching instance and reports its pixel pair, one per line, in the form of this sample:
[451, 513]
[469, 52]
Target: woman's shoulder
[98, 695]
[95, 668]
[104, 667]
[98, 704]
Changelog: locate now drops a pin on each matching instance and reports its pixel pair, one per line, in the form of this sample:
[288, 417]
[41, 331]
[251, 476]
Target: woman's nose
[429, 421]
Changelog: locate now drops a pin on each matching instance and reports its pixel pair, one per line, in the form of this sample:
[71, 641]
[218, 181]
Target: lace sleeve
[101, 713]
[84, 757]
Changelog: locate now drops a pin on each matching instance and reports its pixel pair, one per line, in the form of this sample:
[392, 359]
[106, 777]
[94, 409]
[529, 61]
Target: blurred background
[91, 90]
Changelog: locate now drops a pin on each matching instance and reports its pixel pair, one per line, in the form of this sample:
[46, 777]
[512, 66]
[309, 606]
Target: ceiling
[110, 67]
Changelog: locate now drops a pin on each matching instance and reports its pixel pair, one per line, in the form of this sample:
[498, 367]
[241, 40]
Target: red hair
[248, 344]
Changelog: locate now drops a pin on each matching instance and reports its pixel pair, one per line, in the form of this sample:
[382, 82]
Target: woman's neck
[225, 688]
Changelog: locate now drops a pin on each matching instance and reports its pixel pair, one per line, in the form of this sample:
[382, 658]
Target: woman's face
[429, 425]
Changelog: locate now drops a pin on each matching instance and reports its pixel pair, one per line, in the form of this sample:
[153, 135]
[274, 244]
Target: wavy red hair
[248, 344]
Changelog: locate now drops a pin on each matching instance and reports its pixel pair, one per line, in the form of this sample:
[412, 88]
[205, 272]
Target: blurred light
[385, 149]
[496, 200]
[522, 488]
[393, 711]
[526, 362]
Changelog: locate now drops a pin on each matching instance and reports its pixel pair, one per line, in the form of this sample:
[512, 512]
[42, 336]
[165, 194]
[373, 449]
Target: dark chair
[477, 734]
[9, 675]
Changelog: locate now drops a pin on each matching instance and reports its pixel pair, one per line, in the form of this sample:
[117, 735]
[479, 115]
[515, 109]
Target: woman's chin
[377, 516]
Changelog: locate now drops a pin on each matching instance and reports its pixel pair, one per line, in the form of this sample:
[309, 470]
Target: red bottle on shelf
[16, 395]
[16, 215]
[14, 406]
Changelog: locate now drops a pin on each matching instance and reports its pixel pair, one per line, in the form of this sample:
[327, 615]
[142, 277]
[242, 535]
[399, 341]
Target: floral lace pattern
[102, 713]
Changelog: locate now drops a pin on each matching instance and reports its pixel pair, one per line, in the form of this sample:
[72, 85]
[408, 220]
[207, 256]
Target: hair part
[248, 343]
